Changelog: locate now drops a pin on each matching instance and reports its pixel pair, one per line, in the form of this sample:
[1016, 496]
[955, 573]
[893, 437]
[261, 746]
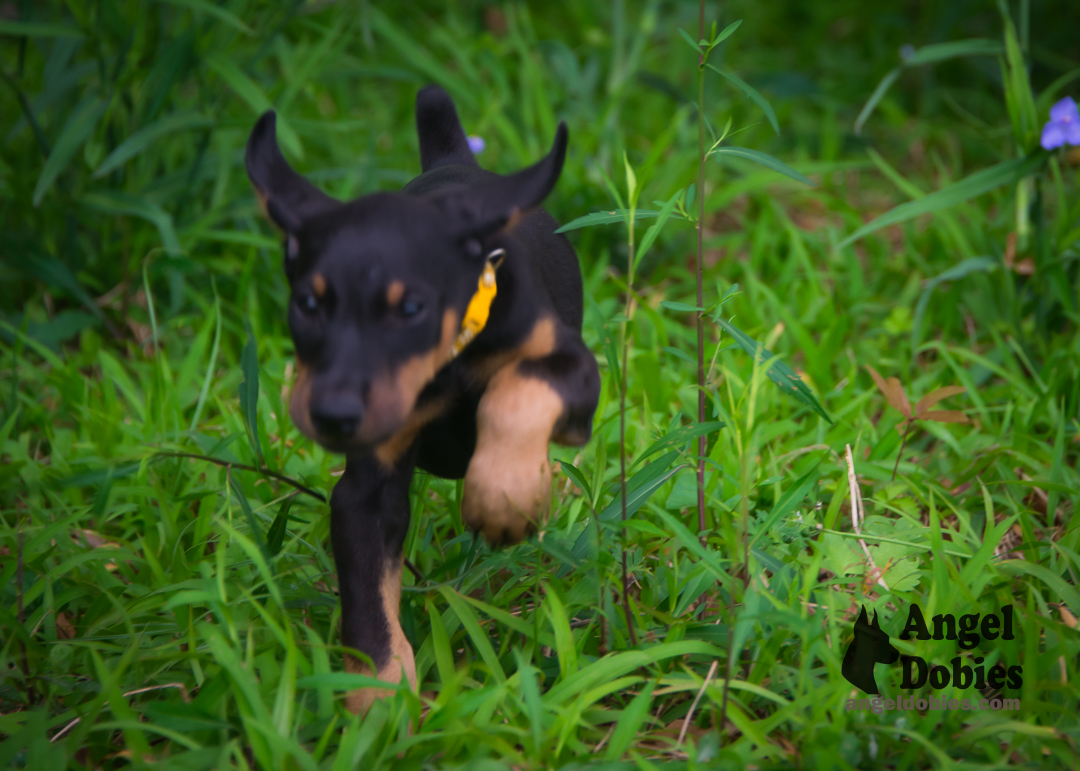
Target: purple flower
[476, 144]
[1063, 126]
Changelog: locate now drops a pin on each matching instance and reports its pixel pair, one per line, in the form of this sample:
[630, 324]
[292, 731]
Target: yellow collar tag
[476, 315]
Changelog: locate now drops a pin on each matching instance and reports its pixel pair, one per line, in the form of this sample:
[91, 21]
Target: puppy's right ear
[286, 198]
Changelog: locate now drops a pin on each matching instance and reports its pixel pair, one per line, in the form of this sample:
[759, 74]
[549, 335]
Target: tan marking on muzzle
[392, 397]
[401, 652]
[389, 452]
[261, 198]
[300, 401]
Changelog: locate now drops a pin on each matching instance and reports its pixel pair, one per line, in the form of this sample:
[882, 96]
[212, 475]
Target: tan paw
[508, 483]
[506, 497]
[360, 700]
[401, 659]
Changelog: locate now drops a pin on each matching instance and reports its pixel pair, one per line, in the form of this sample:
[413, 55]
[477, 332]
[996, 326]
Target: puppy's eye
[411, 308]
[308, 303]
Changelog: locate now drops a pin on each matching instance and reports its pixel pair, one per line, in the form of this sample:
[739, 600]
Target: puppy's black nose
[337, 416]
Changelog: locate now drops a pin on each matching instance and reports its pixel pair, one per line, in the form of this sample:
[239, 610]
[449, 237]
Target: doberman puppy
[397, 369]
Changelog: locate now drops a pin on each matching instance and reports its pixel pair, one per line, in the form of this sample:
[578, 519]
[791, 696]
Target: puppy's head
[379, 286]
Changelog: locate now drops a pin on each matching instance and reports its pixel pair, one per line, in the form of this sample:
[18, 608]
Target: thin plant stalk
[903, 442]
[701, 443]
[701, 342]
[622, 401]
[727, 681]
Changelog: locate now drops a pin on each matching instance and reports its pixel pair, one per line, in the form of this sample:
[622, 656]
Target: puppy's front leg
[527, 404]
[369, 517]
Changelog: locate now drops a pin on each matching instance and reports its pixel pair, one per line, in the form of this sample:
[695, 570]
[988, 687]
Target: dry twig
[857, 514]
[690, 714]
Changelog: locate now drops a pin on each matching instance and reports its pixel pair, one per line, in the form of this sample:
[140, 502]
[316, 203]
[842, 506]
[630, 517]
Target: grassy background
[151, 597]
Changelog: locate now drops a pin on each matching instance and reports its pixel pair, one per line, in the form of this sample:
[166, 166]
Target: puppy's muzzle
[337, 416]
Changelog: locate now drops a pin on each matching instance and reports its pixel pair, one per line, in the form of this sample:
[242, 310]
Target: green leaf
[630, 722]
[690, 41]
[682, 534]
[607, 218]
[77, 129]
[249, 91]
[565, 647]
[765, 160]
[1058, 586]
[215, 10]
[729, 30]
[727, 295]
[357, 739]
[577, 478]
[680, 354]
[34, 29]
[643, 526]
[791, 498]
[778, 372]
[965, 268]
[935, 52]
[1049, 94]
[751, 92]
[276, 535]
[249, 515]
[530, 695]
[121, 203]
[249, 391]
[615, 665]
[1018, 96]
[939, 52]
[419, 59]
[146, 136]
[631, 183]
[654, 230]
[440, 645]
[347, 681]
[55, 273]
[476, 633]
[678, 437]
[208, 377]
[886, 83]
[611, 355]
[909, 188]
[681, 307]
[978, 183]
[640, 487]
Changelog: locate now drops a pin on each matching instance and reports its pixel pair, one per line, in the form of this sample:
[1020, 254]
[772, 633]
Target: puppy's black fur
[380, 286]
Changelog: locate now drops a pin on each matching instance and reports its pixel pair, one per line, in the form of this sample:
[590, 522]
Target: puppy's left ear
[489, 206]
[286, 197]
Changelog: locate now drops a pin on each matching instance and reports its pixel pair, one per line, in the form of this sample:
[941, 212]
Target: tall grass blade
[765, 160]
[751, 92]
[779, 372]
[82, 122]
[978, 183]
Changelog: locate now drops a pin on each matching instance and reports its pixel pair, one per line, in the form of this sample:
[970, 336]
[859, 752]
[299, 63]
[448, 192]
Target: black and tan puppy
[383, 289]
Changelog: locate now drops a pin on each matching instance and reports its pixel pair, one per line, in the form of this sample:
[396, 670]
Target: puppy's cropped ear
[442, 140]
[286, 197]
[482, 210]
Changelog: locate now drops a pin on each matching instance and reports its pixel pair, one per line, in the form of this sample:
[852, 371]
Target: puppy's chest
[465, 378]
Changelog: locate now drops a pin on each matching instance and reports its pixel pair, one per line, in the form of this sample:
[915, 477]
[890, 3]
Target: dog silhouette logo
[870, 646]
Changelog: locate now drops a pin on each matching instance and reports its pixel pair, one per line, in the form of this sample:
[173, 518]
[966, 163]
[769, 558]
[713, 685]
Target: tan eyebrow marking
[318, 283]
[395, 292]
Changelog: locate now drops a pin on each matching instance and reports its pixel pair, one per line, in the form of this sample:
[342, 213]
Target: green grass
[183, 611]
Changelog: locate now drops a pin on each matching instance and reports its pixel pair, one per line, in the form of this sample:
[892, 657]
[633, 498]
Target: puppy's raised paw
[506, 499]
[508, 483]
